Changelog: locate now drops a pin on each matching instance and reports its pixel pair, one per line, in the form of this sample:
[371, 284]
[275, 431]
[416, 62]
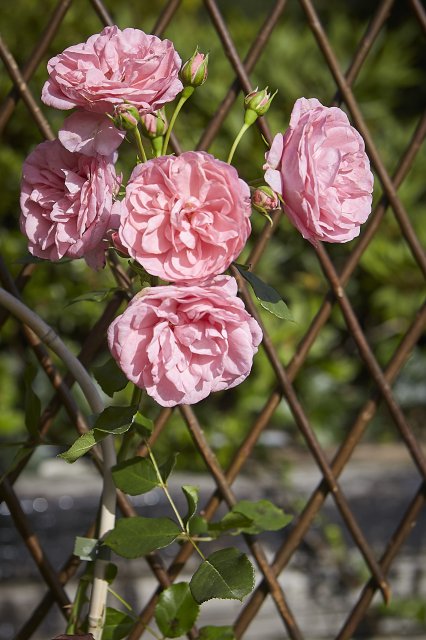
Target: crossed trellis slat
[285, 375]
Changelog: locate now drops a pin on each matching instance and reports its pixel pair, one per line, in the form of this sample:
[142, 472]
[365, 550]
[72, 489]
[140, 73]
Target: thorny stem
[163, 485]
[46, 334]
[237, 140]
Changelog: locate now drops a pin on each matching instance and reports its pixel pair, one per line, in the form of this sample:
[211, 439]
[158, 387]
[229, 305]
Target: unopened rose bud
[256, 104]
[194, 71]
[264, 200]
[126, 116]
[154, 125]
[118, 245]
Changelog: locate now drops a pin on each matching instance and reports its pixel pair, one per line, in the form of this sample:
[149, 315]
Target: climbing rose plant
[180, 223]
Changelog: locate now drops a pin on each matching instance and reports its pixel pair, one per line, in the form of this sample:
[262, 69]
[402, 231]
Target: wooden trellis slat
[335, 296]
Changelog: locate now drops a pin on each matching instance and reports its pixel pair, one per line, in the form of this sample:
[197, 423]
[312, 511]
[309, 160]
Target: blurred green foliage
[386, 288]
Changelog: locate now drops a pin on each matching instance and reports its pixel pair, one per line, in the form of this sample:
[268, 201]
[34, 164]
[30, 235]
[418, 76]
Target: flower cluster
[183, 218]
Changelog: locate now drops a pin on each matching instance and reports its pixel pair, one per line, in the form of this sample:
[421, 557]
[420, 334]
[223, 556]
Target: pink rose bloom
[180, 343]
[322, 172]
[185, 218]
[112, 67]
[66, 202]
[90, 133]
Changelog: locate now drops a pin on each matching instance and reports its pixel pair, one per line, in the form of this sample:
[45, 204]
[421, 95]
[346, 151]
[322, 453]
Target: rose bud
[264, 200]
[256, 104]
[154, 124]
[194, 71]
[126, 116]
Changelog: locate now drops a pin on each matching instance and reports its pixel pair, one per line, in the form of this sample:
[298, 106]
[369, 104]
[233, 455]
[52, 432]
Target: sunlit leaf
[82, 445]
[264, 515]
[135, 537]
[224, 574]
[232, 523]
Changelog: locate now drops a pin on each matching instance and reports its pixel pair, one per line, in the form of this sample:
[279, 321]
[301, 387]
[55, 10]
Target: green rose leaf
[232, 523]
[135, 476]
[268, 297]
[264, 515]
[115, 420]
[216, 633]
[110, 377]
[86, 548]
[176, 611]
[117, 624]
[82, 445]
[198, 526]
[191, 495]
[110, 573]
[135, 537]
[224, 574]
[167, 466]
[112, 421]
[94, 296]
[145, 422]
